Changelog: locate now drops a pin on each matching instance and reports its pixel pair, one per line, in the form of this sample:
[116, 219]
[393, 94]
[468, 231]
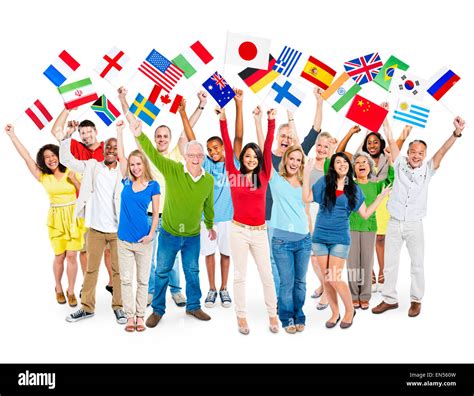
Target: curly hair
[42, 164]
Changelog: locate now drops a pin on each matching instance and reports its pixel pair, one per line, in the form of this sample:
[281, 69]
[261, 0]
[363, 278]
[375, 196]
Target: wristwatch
[457, 136]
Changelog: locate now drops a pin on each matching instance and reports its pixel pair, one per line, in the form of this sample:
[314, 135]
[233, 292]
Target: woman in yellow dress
[66, 233]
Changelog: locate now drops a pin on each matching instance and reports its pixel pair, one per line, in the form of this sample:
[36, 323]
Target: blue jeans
[276, 277]
[292, 261]
[174, 274]
[169, 246]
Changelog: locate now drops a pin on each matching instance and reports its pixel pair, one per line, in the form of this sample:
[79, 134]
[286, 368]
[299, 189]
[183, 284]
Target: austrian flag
[39, 115]
[78, 93]
[111, 63]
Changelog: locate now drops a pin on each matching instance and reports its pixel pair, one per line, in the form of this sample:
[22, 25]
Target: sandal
[356, 304]
[140, 326]
[130, 326]
[364, 305]
[381, 278]
[316, 294]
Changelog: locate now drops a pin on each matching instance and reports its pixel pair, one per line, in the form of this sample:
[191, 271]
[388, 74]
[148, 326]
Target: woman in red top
[248, 188]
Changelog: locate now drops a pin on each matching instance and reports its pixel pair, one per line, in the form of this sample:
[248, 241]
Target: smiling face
[162, 139]
[110, 151]
[136, 166]
[250, 159]
[215, 150]
[416, 154]
[362, 167]
[51, 160]
[194, 158]
[284, 139]
[341, 166]
[88, 135]
[293, 163]
[373, 145]
[322, 148]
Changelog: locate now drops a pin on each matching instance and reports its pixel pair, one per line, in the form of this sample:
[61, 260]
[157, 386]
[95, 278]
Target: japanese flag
[247, 51]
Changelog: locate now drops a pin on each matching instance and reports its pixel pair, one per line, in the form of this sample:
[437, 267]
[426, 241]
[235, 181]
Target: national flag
[318, 73]
[408, 84]
[165, 101]
[61, 69]
[193, 59]
[219, 89]
[39, 114]
[105, 110]
[144, 109]
[442, 82]
[284, 93]
[111, 63]
[247, 51]
[385, 75]
[257, 79]
[287, 61]
[341, 91]
[411, 113]
[161, 71]
[365, 68]
[78, 93]
[366, 113]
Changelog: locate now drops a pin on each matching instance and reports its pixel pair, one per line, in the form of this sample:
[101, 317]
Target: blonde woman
[134, 233]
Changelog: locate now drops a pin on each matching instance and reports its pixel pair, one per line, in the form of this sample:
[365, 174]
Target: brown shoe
[383, 306]
[415, 308]
[153, 320]
[199, 314]
[71, 298]
[60, 298]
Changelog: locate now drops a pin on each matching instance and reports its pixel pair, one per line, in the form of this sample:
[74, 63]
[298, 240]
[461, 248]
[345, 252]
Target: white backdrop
[427, 36]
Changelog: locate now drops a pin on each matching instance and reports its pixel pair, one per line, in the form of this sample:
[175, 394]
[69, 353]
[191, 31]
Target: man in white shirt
[99, 203]
[407, 206]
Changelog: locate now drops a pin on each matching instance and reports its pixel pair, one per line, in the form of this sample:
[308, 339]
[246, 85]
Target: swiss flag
[247, 51]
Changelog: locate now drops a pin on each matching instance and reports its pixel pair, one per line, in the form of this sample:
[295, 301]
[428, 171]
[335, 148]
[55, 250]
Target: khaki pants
[131, 256]
[241, 241]
[96, 242]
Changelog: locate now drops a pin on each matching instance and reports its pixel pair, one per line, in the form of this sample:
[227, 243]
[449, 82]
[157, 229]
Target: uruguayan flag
[412, 114]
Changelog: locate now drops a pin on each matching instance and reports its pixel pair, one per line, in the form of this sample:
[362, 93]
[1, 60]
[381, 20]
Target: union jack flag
[364, 69]
[219, 80]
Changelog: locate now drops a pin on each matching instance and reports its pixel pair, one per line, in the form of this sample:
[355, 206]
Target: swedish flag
[144, 109]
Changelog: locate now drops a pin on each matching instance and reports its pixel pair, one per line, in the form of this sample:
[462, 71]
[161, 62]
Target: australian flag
[219, 89]
[364, 69]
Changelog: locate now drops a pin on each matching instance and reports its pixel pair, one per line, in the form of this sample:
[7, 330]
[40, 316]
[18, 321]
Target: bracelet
[202, 108]
[456, 136]
[291, 119]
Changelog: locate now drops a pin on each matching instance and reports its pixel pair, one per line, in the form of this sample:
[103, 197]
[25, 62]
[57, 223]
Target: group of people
[285, 206]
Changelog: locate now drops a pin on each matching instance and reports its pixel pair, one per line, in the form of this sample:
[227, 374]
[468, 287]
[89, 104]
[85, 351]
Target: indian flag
[193, 59]
[78, 93]
[341, 91]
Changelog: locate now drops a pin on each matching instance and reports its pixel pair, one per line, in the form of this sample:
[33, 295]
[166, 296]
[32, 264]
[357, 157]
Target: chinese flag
[366, 113]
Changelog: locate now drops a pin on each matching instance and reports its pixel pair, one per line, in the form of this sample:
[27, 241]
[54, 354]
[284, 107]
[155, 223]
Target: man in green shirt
[189, 194]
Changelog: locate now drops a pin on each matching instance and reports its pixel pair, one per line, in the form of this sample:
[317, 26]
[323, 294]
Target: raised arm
[229, 160]
[459, 125]
[122, 95]
[267, 147]
[318, 115]
[365, 211]
[30, 163]
[67, 159]
[239, 122]
[188, 130]
[343, 144]
[403, 136]
[257, 116]
[392, 144]
[120, 148]
[292, 127]
[202, 96]
[58, 128]
[307, 192]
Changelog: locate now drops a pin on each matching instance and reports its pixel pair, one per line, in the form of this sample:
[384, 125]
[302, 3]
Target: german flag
[318, 73]
[256, 79]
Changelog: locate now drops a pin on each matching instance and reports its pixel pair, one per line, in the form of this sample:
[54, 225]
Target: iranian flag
[78, 93]
[341, 91]
[193, 59]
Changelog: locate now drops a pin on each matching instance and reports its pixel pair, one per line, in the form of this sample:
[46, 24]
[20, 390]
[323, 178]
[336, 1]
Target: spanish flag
[318, 73]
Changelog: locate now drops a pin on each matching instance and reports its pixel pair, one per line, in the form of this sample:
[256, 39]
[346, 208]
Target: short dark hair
[86, 123]
[40, 159]
[418, 141]
[163, 126]
[215, 138]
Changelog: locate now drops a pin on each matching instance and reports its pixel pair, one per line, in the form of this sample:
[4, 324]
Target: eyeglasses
[197, 156]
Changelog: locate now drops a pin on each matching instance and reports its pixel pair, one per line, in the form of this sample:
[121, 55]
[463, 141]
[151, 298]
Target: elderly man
[190, 193]
[407, 207]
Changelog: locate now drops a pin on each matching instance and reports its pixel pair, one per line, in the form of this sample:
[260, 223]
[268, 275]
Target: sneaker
[78, 315]
[210, 299]
[120, 316]
[179, 299]
[225, 298]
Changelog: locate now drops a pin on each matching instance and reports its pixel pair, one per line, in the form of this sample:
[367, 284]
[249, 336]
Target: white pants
[222, 241]
[398, 232]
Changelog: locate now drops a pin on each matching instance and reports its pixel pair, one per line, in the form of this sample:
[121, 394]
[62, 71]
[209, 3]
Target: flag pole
[18, 118]
[449, 110]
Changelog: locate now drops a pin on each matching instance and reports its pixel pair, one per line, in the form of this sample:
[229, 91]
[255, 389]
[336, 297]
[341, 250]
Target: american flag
[161, 71]
[365, 68]
[287, 61]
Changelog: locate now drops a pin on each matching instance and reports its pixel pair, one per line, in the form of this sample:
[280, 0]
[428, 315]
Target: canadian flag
[247, 51]
[164, 100]
[39, 114]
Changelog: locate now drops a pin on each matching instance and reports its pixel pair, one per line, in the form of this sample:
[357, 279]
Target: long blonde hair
[146, 172]
[282, 168]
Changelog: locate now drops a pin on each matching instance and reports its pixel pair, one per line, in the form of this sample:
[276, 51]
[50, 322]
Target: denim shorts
[331, 249]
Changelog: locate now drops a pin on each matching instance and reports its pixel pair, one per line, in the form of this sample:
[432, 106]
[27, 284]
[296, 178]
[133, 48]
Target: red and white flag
[164, 100]
[39, 114]
[247, 51]
[111, 63]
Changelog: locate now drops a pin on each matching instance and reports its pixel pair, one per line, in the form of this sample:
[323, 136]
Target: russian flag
[442, 82]
[61, 69]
